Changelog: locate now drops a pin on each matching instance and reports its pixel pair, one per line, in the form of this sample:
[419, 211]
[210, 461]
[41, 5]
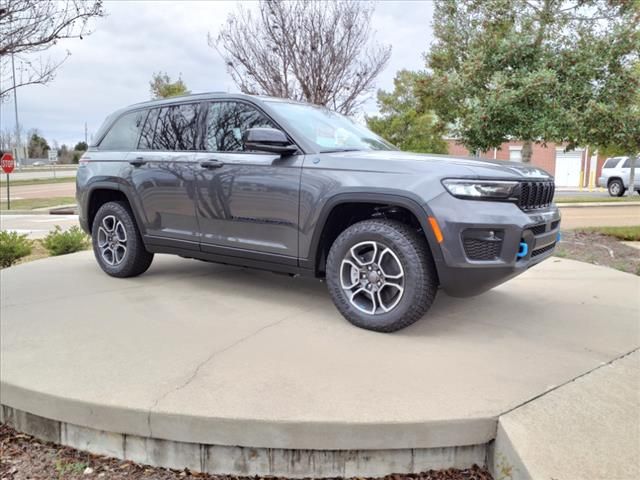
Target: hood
[451, 165]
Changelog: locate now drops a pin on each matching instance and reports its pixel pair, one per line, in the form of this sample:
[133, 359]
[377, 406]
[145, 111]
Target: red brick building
[571, 169]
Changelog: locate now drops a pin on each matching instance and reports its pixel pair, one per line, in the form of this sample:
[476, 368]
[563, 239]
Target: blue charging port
[524, 249]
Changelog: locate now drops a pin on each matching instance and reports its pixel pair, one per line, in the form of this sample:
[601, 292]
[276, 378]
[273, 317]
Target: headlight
[479, 189]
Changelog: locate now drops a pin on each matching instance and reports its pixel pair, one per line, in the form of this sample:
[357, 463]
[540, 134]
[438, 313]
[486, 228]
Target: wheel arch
[612, 178]
[103, 192]
[332, 221]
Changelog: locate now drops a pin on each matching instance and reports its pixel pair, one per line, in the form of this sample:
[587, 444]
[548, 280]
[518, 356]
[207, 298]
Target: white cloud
[112, 67]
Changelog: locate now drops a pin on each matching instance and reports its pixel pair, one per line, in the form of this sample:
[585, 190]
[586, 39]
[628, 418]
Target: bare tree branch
[316, 51]
[31, 26]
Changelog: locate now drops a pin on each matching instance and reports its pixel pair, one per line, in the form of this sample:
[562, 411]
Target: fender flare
[117, 186]
[420, 210]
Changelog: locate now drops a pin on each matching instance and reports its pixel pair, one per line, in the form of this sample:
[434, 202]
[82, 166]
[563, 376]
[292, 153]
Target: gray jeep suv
[289, 187]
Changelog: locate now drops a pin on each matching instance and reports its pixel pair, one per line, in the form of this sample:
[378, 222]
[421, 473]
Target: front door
[163, 173]
[246, 201]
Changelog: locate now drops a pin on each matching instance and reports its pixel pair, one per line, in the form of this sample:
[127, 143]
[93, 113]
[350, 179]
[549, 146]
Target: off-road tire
[421, 280]
[616, 188]
[137, 259]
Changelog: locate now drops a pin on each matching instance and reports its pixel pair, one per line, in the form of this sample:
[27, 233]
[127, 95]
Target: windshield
[330, 131]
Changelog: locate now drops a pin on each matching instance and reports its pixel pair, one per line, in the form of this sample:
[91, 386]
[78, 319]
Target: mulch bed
[599, 249]
[23, 457]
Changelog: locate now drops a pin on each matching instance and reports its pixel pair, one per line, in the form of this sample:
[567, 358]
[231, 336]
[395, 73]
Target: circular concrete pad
[209, 354]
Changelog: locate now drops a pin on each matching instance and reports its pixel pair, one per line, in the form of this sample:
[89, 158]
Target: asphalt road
[47, 190]
[618, 216]
[39, 174]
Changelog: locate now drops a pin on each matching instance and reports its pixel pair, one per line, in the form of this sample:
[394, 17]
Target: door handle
[138, 162]
[211, 164]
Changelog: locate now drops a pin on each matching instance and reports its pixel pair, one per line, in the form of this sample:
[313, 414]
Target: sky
[112, 67]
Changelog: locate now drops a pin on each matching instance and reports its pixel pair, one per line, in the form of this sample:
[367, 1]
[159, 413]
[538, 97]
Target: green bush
[61, 243]
[13, 247]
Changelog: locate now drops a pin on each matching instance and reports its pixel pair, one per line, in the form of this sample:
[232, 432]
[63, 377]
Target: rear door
[247, 201]
[163, 174]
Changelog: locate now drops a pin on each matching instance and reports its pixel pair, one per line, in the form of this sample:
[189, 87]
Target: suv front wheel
[381, 275]
[117, 244]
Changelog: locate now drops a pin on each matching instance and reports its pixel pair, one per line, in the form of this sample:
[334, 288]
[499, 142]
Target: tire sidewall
[620, 188]
[413, 272]
[133, 240]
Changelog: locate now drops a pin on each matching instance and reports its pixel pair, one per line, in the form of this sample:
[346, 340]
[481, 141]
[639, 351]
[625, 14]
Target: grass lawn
[32, 203]
[635, 198]
[36, 181]
[621, 233]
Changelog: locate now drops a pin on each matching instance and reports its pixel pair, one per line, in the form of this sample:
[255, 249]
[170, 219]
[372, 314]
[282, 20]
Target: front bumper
[465, 266]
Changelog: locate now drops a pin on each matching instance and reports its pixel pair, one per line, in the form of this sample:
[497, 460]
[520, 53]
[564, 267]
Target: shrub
[13, 247]
[60, 242]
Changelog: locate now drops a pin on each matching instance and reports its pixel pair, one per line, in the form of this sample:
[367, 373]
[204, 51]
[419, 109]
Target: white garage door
[568, 166]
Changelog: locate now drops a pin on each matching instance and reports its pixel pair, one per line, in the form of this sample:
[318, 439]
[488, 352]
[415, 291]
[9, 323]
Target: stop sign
[7, 163]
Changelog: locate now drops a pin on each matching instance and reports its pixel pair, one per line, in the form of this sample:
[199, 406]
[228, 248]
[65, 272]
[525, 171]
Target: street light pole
[15, 106]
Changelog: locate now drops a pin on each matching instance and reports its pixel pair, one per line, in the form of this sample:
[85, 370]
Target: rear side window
[123, 134]
[611, 163]
[227, 121]
[176, 128]
[627, 163]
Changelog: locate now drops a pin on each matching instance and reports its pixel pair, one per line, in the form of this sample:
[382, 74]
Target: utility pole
[85, 133]
[633, 161]
[15, 106]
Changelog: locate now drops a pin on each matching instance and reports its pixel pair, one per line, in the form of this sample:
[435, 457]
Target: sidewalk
[588, 428]
[35, 225]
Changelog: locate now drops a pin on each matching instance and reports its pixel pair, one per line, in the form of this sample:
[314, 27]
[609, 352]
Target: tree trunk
[527, 152]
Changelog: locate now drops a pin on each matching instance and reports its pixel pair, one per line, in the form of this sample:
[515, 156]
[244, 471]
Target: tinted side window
[227, 121]
[177, 128]
[146, 137]
[627, 162]
[611, 163]
[123, 135]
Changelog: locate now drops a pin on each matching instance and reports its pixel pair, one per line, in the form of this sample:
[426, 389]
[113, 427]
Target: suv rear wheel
[117, 244]
[381, 275]
[616, 188]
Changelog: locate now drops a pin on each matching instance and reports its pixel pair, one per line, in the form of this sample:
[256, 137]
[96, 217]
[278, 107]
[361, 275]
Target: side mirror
[269, 140]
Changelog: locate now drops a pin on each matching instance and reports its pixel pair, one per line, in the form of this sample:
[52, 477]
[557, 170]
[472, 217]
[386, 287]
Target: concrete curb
[245, 461]
[563, 433]
[251, 432]
[41, 211]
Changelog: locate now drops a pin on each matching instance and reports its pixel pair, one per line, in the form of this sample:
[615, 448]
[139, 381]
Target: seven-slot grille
[535, 194]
